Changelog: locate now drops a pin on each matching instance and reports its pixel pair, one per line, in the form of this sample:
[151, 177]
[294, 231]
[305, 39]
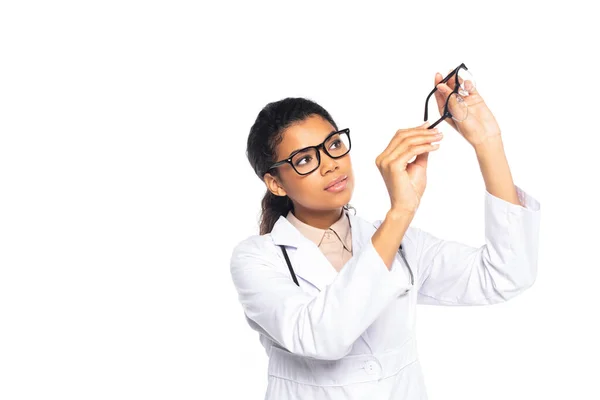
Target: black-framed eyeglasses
[455, 107]
[304, 161]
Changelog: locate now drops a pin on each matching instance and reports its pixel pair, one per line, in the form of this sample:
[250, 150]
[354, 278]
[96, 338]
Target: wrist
[396, 214]
[489, 143]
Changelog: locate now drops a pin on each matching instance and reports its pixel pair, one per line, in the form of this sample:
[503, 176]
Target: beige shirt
[335, 242]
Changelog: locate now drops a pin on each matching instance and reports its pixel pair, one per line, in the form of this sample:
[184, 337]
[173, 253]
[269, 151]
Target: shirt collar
[341, 228]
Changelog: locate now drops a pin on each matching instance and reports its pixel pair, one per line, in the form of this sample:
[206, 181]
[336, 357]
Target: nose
[327, 163]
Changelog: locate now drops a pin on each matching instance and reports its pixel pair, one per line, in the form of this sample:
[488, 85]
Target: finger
[422, 158]
[404, 133]
[450, 82]
[441, 95]
[426, 126]
[401, 132]
[412, 136]
[438, 78]
[470, 87]
[431, 135]
[466, 85]
[444, 87]
[415, 151]
[412, 142]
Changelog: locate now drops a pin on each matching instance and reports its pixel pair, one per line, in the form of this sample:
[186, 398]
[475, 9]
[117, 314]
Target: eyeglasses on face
[455, 106]
[304, 161]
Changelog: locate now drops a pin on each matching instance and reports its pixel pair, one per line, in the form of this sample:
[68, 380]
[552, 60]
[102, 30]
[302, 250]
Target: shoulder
[254, 247]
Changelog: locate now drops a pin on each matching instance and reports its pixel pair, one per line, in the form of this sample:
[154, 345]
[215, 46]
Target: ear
[273, 185]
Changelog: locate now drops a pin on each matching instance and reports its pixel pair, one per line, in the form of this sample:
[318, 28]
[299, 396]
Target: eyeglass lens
[456, 103]
[307, 161]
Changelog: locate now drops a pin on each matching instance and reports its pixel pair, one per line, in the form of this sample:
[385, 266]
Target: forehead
[310, 132]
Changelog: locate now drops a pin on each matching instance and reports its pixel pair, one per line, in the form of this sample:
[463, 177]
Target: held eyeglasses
[455, 106]
[304, 161]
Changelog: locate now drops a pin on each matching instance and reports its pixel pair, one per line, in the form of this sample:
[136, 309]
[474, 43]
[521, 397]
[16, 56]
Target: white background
[124, 184]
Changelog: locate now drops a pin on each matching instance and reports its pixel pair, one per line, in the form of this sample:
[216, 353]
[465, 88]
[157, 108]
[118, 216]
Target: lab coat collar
[306, 258]
[341, 228]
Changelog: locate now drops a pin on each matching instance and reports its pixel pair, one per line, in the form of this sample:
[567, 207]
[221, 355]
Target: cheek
[306, 191]
[345, 164]
[298, 186]
[312, 186]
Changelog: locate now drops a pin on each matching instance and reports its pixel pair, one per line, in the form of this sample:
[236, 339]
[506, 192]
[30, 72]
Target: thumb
[418, 175]
[422, 159]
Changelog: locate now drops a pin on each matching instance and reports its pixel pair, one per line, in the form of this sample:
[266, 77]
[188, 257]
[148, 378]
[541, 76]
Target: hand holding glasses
[458, 98]
[452, 105]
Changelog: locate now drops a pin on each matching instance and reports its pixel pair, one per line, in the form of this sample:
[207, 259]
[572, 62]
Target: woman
[332, 295]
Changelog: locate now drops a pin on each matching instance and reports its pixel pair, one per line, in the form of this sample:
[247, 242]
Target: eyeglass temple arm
[436, 123]
[277, 164]
[426, 109]
[427, 102]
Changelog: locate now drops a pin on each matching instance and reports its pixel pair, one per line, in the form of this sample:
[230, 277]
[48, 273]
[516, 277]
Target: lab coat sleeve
[452, 273]
[322, 326]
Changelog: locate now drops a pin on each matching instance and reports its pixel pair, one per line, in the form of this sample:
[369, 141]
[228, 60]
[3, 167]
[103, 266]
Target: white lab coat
[350, 334]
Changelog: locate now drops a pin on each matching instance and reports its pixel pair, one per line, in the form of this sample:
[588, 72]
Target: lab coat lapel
[307, 260]
[362, 231]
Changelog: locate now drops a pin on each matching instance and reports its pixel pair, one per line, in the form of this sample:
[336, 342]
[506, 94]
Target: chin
[343, 198]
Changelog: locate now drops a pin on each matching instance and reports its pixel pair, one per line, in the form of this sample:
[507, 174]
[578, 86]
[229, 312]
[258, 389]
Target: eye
[336, 142]
[304, 158]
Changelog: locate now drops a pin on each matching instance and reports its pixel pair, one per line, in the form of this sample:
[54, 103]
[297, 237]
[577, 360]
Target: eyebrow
[299, 150]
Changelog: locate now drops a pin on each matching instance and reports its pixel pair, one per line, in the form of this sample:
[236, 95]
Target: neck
[321, 219]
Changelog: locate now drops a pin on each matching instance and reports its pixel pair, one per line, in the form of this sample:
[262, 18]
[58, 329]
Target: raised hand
[480, 124]
[406, 181]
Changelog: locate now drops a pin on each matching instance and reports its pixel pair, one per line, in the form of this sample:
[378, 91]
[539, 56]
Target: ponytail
[272, 208]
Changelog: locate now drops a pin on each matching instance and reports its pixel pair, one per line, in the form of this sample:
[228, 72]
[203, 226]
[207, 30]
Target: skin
[313, 205]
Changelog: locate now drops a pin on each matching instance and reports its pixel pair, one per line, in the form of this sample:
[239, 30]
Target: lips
[335, 181]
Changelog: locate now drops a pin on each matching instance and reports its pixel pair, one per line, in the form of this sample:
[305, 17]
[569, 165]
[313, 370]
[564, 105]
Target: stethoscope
[289, 264]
